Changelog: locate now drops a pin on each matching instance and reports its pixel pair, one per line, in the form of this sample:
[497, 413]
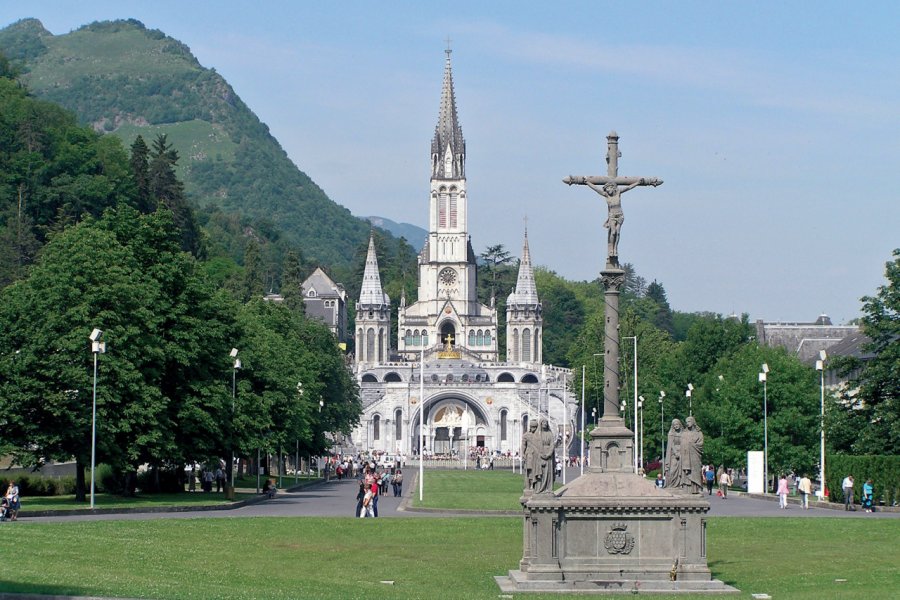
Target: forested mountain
[120, 77]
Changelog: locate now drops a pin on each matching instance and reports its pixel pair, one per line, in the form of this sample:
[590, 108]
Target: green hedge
[31, 484]
[884, 471]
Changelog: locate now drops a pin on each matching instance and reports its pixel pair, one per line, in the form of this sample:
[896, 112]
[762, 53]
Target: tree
[292, 282]
[878, 400]
[663, 316]
[140, 174]
[168, 191]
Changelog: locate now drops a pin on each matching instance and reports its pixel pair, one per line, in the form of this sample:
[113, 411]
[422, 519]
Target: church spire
[526, 290]
[371, 293]
[448, 147]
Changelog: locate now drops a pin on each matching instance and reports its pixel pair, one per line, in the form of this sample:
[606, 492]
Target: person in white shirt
[847, 486]
[805, 487]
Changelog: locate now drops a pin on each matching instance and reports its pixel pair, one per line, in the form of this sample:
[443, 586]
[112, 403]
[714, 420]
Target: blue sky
[776, 128]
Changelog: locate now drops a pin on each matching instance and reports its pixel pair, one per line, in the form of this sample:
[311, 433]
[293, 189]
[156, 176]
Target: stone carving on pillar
[646, 528]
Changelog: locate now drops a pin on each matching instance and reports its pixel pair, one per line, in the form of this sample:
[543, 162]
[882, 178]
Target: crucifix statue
[612, 187]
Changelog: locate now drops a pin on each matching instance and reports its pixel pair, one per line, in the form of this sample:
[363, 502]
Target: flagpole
[582, 418]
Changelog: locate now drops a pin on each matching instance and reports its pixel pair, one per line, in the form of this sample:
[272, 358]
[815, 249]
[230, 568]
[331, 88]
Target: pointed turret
[526, 290]
[448, 147]
[524, 321]
[372, 294]
[373, 315]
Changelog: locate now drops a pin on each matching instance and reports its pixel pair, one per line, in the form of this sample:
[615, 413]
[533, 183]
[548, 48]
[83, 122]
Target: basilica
[444, 376]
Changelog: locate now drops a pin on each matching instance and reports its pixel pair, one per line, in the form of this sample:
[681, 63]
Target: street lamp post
[689, 395]
[583, 367]
[421, 424]
[763, 376]
[662, 431]
[641, 436]
[820, 366]
[237, 365]
[97, 348]
[634, 406]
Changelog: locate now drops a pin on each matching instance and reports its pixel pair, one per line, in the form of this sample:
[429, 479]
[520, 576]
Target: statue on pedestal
[692, 457]
[530, 442]
[546, 454]
[674, 474]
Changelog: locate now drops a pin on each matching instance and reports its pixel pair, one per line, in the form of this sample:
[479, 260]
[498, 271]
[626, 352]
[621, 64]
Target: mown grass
[327, 558]
[68, 502]
[469, 490]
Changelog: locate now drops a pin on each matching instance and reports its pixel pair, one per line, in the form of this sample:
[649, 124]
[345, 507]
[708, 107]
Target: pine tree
[140, 174]
[169, 192]
[663, 318]
[292, 282]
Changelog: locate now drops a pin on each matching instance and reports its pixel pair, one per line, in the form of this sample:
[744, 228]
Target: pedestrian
[847, 487]
[220, 480]
[12, 496]
[805, 487]
[491, 463]
[660, 482]
[397, 482]
[782, 491]
[724, 482]
[360, 496]
[375, 494]
[367, 503]
[868, 494]
[710, 476]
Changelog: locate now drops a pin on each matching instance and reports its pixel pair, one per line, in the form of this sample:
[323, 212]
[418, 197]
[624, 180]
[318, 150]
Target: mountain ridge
[123, 78]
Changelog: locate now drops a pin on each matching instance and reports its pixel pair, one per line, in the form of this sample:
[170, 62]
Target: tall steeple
[524, 318]
[373, 315]
[371, 294]
[526, 290]
[448, 147]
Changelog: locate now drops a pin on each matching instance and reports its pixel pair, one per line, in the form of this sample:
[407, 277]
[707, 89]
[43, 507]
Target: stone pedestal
[613, 531]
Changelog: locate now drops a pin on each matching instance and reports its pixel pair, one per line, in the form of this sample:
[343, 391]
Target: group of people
[207, 475]
[372, 485]
[10, 504]
[867, 497]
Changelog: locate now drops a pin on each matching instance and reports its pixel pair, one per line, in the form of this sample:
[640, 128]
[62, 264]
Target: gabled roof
[322, 284]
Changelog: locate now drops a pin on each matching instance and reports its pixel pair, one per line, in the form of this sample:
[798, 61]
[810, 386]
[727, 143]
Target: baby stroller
[4, 509]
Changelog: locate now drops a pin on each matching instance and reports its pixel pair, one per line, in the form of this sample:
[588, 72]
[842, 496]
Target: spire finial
[448, 50]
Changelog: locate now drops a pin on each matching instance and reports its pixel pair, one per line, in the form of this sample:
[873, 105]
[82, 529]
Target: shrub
[157, 480]
[34, 484]
[884, 471]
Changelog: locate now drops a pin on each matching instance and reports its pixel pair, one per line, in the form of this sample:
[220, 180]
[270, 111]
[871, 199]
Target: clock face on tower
[447, 276]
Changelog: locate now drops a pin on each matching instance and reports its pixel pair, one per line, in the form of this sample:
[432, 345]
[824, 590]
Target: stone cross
[612, 187]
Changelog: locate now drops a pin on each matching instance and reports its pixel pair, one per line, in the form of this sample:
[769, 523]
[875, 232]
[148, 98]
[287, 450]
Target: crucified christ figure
[611, 188]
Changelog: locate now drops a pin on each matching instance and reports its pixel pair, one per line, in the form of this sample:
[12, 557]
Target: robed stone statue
[546, 450]
[530, 443]
[684, 456]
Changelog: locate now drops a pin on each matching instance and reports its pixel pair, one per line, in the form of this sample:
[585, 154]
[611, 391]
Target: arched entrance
[452, 425]
[448, 329]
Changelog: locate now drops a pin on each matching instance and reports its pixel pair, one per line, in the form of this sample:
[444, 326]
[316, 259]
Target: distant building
[803, 340]
[323, 299]
[326, 300]
[445, 379]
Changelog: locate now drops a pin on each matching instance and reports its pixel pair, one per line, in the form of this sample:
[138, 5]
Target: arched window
[376, 427]
[443, 199]
[424, 338]
[370, 345]
[471, 338]
[408, 339]
[505, 378]
[398, 425]
[529, 378]
[480, 338]
[369, 378]
[487, 338]
[515, 344]
[454, 196]
[417, 339]
[381, 345]
[392, 377]
[502, 425]
[526, 345]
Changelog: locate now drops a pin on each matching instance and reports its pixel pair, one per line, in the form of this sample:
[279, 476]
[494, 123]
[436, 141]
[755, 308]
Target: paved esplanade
[338, 499]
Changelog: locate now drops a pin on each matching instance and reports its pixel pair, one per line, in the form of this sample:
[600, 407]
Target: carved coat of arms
[618, 540]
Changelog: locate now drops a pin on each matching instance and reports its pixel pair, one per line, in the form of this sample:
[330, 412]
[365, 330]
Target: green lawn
[469, 490]
[425, 558]
[111, 501]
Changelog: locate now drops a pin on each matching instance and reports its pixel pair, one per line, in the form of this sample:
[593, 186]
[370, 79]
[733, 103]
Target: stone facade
[803, 340]
[447, 346]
